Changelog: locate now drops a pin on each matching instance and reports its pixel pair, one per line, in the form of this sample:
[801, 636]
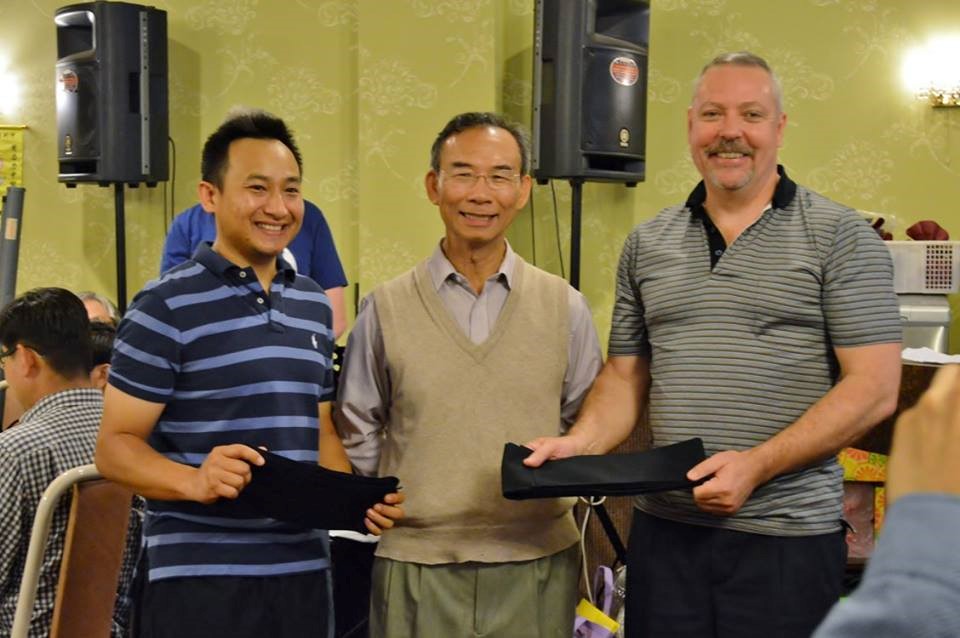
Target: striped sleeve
[859, 304]
[146, 352]
[628, 333]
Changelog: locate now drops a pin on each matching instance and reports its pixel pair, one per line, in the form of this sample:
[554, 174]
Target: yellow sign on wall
[11, 157]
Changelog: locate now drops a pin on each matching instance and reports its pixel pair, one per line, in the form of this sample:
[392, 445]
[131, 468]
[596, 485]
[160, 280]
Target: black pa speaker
[112, 121]
[590, 90]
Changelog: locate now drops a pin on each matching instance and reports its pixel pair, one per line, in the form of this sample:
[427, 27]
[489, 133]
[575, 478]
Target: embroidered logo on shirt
[313, 340]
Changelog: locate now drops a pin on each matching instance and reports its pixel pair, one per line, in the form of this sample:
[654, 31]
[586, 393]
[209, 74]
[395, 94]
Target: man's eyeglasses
[498, 180]
[6, 354]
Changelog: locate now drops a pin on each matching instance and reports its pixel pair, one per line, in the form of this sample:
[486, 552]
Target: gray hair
[742, 58]
[112, 312]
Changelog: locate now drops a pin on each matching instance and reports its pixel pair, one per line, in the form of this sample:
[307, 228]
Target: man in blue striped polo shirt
[760, 316]
[225, 353]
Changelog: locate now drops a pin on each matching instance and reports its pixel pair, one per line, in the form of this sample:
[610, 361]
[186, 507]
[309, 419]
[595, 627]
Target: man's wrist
[583, 442]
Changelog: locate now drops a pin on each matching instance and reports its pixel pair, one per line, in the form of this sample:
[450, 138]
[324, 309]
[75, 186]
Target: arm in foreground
[608, 416]
[124, 456]
[911, 586]
[332, 455]
[865, 394]
[337, 303]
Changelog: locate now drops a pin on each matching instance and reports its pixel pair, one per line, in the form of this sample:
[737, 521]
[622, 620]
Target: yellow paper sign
[11, 157]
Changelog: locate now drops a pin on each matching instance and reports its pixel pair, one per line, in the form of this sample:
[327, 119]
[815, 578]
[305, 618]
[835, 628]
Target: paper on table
[926, 355]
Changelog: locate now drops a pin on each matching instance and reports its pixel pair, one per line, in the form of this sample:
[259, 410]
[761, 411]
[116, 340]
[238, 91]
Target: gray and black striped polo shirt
[741, 343]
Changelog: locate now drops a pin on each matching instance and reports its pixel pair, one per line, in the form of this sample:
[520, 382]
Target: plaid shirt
[55, 435]
[131, 559]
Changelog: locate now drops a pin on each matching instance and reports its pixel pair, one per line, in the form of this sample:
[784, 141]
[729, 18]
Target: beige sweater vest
[454, 405]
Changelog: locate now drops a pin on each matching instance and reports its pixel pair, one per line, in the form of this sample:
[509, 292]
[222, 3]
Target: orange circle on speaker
[624, 71]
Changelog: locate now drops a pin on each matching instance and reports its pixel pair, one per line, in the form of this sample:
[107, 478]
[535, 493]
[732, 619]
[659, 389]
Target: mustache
[729, 146]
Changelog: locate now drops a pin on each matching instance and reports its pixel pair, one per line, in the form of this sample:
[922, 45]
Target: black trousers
[352, 570]
[291, 606]
[688, 581]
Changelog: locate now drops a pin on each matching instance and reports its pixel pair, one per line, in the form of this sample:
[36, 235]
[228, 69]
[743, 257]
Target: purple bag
[603, 585]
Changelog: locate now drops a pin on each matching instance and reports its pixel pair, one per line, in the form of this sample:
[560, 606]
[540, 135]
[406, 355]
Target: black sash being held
[656, 470]
[310, 496]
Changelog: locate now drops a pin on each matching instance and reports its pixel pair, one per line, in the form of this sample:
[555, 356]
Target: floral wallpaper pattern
[366, 84]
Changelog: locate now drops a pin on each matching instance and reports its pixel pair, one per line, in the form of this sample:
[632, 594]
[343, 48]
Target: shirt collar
[217, 263]
[783, 194]
[441, 269]
[51, 401]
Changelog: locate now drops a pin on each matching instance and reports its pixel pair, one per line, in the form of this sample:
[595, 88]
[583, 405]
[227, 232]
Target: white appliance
[924, 272]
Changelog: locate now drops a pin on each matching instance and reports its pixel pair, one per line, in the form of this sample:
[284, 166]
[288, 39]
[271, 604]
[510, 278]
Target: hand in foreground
[224, 473]
[383, 516]
[733, 481]
[926, 441]
[551, 448]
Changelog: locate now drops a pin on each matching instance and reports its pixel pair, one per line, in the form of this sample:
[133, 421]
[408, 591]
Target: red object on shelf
[927, 230]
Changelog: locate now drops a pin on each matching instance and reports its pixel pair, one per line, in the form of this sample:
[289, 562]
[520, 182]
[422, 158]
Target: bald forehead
[721, 76]
[737, 78]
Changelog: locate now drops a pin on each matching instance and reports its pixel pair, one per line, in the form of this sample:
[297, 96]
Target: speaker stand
[118, 207]
[11, 221]
[576, 203]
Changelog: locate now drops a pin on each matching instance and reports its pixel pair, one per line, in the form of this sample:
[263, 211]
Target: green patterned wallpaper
[367, 83]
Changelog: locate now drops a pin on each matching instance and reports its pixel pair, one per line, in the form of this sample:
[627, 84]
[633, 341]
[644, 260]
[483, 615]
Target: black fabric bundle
[656, 470]
[310, 496]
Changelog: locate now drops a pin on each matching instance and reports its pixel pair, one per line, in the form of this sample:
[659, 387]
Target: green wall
[367, 83]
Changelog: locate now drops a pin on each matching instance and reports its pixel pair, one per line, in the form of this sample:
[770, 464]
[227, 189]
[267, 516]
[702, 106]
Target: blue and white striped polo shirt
[232, 366]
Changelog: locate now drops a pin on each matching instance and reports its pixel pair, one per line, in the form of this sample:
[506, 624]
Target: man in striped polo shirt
[227, 352]
[761, 317]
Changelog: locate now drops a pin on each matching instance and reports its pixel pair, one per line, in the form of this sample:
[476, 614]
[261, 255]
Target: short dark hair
[466, 121]
[241, 125]
[102, 335]
[52, 321]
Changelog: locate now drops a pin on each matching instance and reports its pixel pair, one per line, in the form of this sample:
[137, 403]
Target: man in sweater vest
[469, 350]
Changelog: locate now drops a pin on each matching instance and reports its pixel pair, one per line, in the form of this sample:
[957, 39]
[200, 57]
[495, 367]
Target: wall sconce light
[10, 89]
[932, 71]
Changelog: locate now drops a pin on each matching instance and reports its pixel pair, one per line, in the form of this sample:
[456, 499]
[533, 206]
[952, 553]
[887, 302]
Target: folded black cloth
[310, 496]
[656, 470]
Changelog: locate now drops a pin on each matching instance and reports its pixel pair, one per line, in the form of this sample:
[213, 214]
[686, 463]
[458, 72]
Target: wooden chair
[92, 555]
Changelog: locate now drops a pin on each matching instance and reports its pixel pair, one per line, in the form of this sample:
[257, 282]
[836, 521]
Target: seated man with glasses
[469, 350]
[46, 358]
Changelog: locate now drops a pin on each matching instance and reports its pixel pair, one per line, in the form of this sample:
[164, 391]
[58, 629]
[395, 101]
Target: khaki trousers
[529, 599]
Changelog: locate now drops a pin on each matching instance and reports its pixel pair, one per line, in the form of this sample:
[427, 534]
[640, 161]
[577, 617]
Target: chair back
[92, 555]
